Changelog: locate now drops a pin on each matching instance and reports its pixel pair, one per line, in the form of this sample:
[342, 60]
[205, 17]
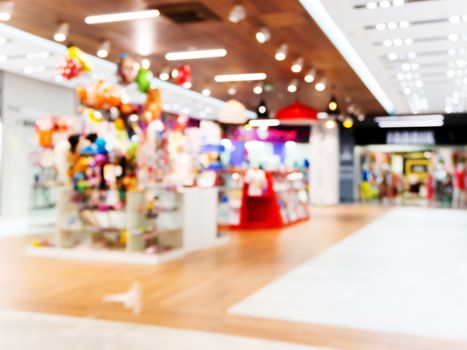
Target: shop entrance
[412, 175]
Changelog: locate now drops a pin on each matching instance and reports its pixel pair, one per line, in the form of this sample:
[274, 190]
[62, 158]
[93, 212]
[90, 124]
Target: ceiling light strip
[318, 12]
[224, 78]
[418, 121]
[193, 55]
[121, 16]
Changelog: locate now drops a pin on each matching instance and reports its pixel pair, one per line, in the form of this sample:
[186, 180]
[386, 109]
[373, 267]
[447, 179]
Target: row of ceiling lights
[237, 14]
[372, 5]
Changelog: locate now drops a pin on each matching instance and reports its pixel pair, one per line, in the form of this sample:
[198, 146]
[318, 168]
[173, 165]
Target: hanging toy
[143, 80]
[184, 74]
[45, 130]
[79, 55]
[127, 69]
[93, 115]
[153, 105]
[70, 68]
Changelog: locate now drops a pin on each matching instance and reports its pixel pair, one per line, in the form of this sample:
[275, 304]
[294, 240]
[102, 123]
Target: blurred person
[459, 188]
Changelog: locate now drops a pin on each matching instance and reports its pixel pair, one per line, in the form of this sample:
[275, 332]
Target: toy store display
[263, 199]
[121, 167]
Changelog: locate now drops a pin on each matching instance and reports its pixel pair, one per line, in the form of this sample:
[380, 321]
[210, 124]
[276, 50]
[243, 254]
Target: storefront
[417, 166]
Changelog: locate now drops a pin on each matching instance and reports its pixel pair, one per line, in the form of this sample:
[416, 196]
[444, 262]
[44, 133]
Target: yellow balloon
[94, 116]
[119, 124]
[74, 52]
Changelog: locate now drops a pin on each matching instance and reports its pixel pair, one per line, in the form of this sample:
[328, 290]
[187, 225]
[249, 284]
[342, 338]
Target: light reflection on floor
[405, 273]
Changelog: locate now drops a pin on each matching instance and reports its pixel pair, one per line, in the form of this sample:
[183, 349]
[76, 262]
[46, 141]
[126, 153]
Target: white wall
[24, 100]
[324, 166]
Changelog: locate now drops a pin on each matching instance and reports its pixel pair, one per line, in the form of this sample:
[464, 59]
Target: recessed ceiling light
[404, 24]
[405, 66]
[237, 14]
[412, 55]
[392, 56]
[187, 84]
[408, 41]
[28, 69]
[232, 91]
[121, 16]
[206, 92]
[387, 43]
[258, 89]
[453, 37]
[145, 63]
[398, 42]
[400, 76]
[104, 49]
[380, 26]
[392, 25]
[310, 75]
[6, 9]
[384, 4]
[165, 74]
[320, 85]
[263, 35]
[371, 5]
[281, 52]
[293, 86]
[454, 19]
[240, 77]
[398, 3]
[61, 33]
[297, 66]
[195, 54]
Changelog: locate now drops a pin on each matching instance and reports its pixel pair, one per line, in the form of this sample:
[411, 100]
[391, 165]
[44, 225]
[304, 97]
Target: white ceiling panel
[416, 50]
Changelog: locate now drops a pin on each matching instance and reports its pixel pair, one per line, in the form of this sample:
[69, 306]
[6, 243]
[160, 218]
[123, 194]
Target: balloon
[70, 68]
[153, 105]
[100, 146]
[93, 115]
[88, 150]
[184, 74]
[79, 55]
[100, 159]
[127, 69]
[119, 124]
[143, 80]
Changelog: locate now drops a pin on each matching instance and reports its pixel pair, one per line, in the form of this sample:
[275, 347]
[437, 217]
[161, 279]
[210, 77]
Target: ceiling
[288, 22]
[37, 58]
[416, 50]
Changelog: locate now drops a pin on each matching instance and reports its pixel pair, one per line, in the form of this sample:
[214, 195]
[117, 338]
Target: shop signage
[410, 138]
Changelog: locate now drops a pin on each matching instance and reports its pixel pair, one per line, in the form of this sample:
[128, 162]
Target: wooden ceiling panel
[287, 20]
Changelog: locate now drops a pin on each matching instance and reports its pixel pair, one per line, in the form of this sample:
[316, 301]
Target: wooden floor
[194, 292]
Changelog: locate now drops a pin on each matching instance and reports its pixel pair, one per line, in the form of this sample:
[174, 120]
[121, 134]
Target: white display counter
[196, 218]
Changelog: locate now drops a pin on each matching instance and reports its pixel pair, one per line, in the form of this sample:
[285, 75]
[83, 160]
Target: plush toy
[153, 105]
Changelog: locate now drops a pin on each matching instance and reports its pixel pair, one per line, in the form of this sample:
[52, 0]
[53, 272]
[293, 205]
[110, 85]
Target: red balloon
[70, 68]
[184, 74]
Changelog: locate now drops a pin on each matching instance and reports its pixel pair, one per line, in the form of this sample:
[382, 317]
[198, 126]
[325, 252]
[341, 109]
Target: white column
[324, 165]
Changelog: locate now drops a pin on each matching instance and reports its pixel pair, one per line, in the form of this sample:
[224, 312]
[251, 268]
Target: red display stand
[261, 212]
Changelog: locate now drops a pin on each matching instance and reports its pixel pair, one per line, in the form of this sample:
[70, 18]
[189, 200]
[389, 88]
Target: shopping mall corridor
[332, 282]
